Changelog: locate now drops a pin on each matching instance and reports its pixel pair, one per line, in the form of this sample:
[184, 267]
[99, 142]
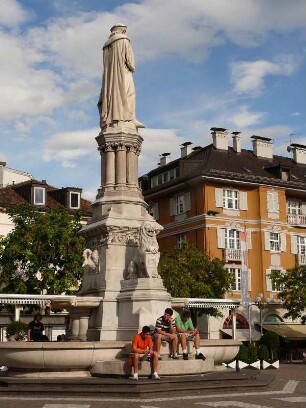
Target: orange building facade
[213, 196]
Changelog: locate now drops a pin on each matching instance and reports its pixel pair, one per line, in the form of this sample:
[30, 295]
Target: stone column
[103, 167]
[75, 327]
[121, 165]
[83, 327]
[110, 166]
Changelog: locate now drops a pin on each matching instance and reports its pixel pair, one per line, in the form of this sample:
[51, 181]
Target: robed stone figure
[117, 98]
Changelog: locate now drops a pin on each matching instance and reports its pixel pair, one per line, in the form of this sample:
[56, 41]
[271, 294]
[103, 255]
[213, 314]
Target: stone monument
[121, 259]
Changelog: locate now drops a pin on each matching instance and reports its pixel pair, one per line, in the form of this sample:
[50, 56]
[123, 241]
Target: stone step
[166, 366]
[123, 387]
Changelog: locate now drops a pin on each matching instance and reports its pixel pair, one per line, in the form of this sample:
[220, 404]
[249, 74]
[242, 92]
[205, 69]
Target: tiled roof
[18, 194]
[244, 166]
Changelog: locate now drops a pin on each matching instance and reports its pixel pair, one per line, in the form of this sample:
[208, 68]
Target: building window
[154, 210]
[74, 200]
[274, 286]
[294, 207]
[236, 284]
[180, 204]
[180, 240]
[39, 195]
[232, 239]
[164, 177]
[231, 199]
[301, 245]
[275, 243]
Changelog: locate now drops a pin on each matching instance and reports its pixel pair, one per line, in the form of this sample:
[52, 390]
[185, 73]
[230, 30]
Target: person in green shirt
[186, 331]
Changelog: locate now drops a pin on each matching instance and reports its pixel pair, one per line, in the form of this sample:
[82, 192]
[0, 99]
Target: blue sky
[238, 64]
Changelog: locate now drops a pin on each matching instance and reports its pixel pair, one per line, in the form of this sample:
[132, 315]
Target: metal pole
[250, 325]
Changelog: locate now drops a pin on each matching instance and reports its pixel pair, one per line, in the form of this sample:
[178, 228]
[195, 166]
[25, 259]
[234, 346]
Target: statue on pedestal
[117, 98]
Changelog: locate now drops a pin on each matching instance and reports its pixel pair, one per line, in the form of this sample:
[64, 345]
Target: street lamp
[260, 302]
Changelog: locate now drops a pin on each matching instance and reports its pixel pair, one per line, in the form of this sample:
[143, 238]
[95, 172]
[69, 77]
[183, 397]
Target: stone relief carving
[148, 251]
[148, 241]
[91, 268]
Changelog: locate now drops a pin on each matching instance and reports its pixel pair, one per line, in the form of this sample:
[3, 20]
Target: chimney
[165, 159]
[186, 149]
[236, 142]
[219, 136]
[2, 165]
[299, 153]
[262, 146]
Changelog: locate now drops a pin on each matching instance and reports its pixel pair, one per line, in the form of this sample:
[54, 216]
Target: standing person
[117, 98]
[36, 328]
[186, 331]
[142, 349]
[165, 331]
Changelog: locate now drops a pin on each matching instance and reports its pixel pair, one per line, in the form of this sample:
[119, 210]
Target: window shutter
[172, 206]
[249, 279]
[221, 237]
[267, 240]
[304, 208]
[294, 247]
[249, 239]
[219, 197]
[272, 202]
[283, 238]
[243, 200]
[155, 211]
[268, 280]
[187, 202]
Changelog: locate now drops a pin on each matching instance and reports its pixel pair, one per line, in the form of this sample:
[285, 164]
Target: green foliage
[43, 253]
[252, 353]
[17, 327]
[293, 293]
[243, 354]
[263, 353]
[272, 341]
[187, 272]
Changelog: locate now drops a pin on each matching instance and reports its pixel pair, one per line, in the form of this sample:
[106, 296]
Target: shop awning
[243, 334]
[288, 331]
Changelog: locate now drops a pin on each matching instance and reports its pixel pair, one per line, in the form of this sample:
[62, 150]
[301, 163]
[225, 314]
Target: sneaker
[175, 356]
[200, 356]
[3, 368]
[134, 377]
[160, 357]
[185, 356]
[155, 376]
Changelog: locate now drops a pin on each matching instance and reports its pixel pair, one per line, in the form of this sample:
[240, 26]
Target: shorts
[188, 336]
[164, 338]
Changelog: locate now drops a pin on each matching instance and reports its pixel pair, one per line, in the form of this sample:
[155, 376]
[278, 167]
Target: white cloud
[13, 14]
[244, 117]
[249, 76]
[156, 142]
[68, 147]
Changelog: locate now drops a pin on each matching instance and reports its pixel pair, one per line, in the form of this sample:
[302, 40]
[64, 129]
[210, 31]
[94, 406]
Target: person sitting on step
[186, 331]
[142, 349]
[165, 331]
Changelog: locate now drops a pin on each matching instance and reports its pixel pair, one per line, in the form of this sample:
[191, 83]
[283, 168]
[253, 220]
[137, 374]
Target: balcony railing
[301, 259]
[297, 219]
[232, 255]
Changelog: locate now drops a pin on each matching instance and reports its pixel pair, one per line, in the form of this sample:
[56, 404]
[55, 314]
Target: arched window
[273, 318]
[241, 322]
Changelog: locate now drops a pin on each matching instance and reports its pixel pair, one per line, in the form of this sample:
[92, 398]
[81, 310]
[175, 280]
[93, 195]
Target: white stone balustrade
[297, 219]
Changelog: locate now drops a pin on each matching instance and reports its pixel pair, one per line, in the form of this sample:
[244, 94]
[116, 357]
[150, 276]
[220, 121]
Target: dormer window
[74, 200]
[39, 196]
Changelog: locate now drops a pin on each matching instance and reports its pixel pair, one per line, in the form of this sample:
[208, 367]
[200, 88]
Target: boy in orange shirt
[142, 348]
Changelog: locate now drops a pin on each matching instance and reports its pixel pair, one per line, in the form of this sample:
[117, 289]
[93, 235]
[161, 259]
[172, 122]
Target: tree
[293, 291]
[43, 253]
[189, 273]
